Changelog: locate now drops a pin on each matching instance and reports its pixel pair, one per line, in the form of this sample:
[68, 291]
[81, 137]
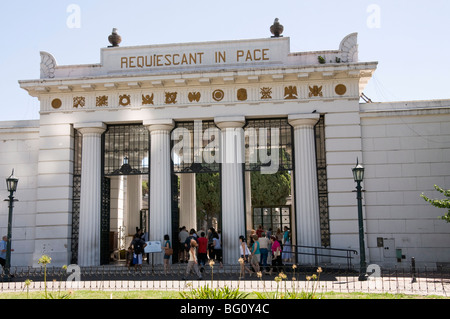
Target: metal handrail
[316, 254]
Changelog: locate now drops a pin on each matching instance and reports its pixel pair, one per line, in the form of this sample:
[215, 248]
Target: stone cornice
[264, 74]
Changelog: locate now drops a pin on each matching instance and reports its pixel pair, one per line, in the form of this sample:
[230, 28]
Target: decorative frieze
[124, 100]
[101, 101]
[184, 97]
[79, 101]
[147, 99]
[315, 91]
[56, 103]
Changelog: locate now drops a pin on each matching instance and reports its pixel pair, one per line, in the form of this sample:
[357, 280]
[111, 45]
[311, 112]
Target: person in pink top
[276, 255]
[202, 250]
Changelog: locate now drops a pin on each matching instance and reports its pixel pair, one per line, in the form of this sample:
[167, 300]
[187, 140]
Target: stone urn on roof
[276, 29]
[114, 38]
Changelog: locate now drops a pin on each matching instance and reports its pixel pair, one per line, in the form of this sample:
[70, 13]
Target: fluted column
[306, 189]
[134, 198]
[160, 182]
[188, 201]
[90, 197]
[233, 212]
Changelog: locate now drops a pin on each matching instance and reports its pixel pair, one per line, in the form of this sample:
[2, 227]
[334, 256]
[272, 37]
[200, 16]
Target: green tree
[208, 197]
[440, 203]
[270, 189]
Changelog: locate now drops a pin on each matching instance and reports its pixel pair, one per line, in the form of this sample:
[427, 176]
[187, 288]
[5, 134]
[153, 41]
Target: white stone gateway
[404, 146]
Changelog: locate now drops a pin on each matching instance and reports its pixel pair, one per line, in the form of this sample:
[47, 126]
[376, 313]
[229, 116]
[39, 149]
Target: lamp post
[358, 176]
[11, 185]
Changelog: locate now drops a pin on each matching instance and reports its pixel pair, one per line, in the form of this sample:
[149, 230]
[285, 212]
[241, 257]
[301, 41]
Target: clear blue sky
[409, 38]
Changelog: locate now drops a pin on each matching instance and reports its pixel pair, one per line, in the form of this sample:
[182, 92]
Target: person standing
[129, 256]
[182, 249]
[192, 262]
[211, 232]
[138, 251]
[167, 246]
[259, 231]
[255, 254]
[202, 250]
[217, 248]
[263, 249]
[3, 250]
[287, 250]
[276, 255]
[244, 253]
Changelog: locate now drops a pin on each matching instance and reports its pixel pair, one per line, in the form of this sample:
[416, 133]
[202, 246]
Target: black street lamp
[11, 185]
[358, 176]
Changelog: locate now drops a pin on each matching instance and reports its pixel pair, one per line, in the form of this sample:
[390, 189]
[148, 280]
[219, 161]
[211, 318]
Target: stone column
[90, 197]
[233, 212]
[248, 201]
[306, 189]
[160, 182]
[188, 201]
[134, 198]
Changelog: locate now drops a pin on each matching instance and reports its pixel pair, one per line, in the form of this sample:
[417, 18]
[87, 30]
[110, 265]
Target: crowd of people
[264, 251]
[261, 251]
[196, 248]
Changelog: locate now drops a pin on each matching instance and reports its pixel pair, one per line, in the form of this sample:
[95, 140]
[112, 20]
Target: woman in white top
[192, 263]
[244, 252]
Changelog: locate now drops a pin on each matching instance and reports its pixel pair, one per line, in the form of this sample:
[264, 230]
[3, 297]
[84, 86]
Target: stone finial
[48, 65]
[115, 38]
[349, 48]
[276, 29]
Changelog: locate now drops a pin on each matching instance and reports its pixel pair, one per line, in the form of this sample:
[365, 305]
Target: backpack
[138, 247]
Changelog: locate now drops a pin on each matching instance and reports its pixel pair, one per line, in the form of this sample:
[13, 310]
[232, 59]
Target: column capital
[159, 125]
[90, 127]
[303, 119]
[230, 122]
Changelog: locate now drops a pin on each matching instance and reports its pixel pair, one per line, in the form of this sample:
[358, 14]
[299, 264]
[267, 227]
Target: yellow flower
[308, 278]
[294, 266]
[259, 274]
[319, 270]
[211, 263]
[314, 277]
[45, 260]
[241, 261]
[277, 278]
[283, 275]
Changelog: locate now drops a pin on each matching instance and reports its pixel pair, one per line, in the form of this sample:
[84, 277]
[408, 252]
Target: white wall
[406, 149]
[19, 149]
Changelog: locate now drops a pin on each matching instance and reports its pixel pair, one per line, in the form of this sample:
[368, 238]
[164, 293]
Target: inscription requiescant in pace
[193, 58]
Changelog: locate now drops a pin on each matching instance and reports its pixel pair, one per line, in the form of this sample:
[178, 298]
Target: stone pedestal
[90, 198]
[306, 190]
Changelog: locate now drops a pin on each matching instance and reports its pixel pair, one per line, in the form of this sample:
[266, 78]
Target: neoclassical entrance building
[119, 145]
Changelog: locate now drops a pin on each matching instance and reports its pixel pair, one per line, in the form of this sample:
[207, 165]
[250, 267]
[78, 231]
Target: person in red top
[259, 231]
[202, 250]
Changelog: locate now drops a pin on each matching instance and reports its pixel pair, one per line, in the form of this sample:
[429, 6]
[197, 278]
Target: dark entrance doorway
[269, 172]
[196, 190]
[126, 169]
